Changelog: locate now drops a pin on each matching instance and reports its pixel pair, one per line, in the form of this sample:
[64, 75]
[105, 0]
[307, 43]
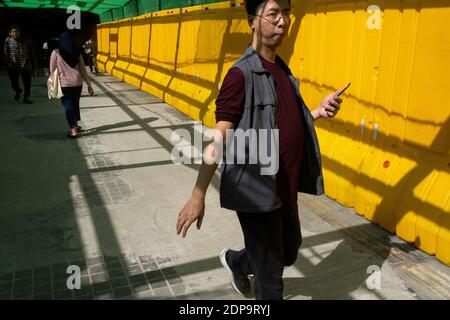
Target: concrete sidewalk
[108, 202]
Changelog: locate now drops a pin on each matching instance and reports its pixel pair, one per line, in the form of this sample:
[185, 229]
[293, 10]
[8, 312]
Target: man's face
[15, 33]
[272, 22]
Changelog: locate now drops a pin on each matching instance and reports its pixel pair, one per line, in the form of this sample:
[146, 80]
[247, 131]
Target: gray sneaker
[240, 283]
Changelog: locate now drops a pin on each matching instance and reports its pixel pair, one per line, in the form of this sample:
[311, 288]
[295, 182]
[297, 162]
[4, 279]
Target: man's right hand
[193, 210]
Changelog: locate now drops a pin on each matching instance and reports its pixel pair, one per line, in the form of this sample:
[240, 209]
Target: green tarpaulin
[130, 9]
[109, 10]
[197, 2]
[95, 6]
[145, 6]
[169, 4]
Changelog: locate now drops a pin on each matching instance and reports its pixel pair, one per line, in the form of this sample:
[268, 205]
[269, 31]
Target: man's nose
[282, 22]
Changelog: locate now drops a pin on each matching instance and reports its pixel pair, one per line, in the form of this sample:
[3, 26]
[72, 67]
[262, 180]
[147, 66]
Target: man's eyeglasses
[274, 17]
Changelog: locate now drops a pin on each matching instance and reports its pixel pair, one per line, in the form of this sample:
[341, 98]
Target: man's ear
[250, 20]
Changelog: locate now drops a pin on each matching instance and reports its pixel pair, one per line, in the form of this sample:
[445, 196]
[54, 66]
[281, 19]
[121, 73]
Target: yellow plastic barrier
[180, 90]
[103, 46]
[140, 36]
[387, 153]
[113, 46]
[392, 161]
[208, 61]
[123, 49]
[443, 234]
[162, 52]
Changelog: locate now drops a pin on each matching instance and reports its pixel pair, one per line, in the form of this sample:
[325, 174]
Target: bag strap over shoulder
[57, 55]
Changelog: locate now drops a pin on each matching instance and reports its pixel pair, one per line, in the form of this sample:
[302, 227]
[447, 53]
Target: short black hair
[14, 26]
[252, 6]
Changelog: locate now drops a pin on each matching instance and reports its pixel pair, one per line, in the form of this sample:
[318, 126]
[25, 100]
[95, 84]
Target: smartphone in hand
[342, 90]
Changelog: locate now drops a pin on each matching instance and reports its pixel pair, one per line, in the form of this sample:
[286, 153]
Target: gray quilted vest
[243, 187]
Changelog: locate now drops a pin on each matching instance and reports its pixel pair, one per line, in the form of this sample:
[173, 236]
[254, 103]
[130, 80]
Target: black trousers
[71, 103]
[272, 241]
[14, 75]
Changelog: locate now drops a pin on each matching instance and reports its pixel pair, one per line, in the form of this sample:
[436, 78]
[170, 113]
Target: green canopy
[95, 6]
[109, 10]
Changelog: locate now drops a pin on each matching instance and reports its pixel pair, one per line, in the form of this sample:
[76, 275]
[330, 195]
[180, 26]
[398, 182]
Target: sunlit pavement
[108, 203]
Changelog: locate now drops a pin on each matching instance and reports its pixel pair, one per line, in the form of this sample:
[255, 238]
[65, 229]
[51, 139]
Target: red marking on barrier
[386, 164]
[206, 8]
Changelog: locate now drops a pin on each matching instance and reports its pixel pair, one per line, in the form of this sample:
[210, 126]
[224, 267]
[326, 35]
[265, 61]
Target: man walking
[90, 50]
[260, 92]
[21, 60]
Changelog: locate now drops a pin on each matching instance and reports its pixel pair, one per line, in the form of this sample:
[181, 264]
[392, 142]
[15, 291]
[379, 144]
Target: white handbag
[54, 86]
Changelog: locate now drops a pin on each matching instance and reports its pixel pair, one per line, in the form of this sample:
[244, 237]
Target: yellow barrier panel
[201, 61]
[103, 46]
[123, 49]
[209, 57]
[387, 109]
[140, 36]
[180, 90]
[428, 84]
[443, 235]
[163, 50]
[429, 214]
[387, 153]
[113, 46]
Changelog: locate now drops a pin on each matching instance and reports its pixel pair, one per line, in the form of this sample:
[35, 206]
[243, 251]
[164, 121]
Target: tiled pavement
[102, 277]
[108, 203]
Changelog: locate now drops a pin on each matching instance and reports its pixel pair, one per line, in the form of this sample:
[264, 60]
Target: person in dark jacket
[260, 92]
[20, 57]
[90, 50]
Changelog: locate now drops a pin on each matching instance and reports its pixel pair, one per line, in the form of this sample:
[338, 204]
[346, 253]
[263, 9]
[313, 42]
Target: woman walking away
[72, 72]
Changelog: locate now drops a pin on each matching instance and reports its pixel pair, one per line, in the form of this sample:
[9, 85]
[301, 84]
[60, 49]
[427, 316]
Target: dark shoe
[71, 136]
[27, 101]
[18, 94]
[240, 283]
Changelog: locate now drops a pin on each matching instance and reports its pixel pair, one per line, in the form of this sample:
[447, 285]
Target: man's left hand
[329, 107]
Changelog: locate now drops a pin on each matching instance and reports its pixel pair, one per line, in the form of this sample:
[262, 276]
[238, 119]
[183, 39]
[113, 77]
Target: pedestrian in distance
[72, 71]
[20, 57]
[90, 49]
